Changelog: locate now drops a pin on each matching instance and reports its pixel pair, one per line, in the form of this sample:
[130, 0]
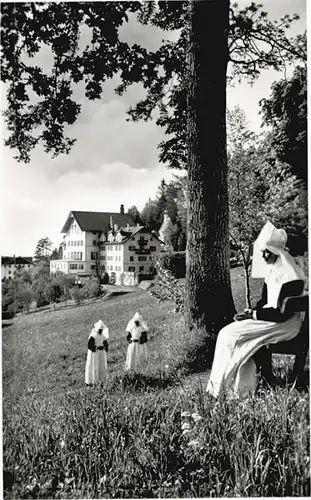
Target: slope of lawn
[132, 437]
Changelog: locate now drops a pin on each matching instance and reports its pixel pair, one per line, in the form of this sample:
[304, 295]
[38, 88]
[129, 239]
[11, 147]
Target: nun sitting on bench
[234, 364]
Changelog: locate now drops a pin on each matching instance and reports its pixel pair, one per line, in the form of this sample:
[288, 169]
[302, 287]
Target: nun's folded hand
[247, 314]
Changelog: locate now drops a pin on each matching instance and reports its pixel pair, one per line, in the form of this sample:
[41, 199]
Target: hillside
[126, 440]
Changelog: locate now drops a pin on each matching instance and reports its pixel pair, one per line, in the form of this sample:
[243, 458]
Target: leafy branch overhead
[41, 102]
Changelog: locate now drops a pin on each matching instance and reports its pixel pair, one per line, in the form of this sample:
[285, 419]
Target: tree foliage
[260, 191]
[43, 250]
[255, 43]
[134, 213]
[285, 111]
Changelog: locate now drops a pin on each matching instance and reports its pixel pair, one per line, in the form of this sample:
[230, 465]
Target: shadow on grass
[141, 382]
[5, 324]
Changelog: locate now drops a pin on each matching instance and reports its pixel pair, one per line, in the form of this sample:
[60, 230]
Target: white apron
[233, 367]
[96, 362]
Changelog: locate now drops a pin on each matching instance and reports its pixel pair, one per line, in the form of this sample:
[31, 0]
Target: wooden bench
[299, 346]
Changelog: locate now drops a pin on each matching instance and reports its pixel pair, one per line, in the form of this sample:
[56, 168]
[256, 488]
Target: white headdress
[100, 325]
[137, 317]
[274, 240]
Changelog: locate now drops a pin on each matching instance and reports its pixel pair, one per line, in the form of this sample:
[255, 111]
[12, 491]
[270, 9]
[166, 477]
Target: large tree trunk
[209, 302]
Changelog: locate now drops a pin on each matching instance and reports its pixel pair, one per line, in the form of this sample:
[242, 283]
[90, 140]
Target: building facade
[9, 265]
[99, 243]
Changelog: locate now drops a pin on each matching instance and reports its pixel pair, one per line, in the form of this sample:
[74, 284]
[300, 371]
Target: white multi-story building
[11, 264]
[104, 242]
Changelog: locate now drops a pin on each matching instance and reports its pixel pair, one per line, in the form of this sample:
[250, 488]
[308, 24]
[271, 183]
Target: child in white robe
[96, 361]
[137, 352]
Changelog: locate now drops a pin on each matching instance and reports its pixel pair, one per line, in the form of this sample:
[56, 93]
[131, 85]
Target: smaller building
[11, 264]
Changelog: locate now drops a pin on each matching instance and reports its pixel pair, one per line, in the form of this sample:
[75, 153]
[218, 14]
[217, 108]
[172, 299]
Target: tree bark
[247, 287]
[208, 302]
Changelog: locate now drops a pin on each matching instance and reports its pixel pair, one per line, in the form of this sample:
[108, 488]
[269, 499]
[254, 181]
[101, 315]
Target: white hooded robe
[137, 353]
[96, 362]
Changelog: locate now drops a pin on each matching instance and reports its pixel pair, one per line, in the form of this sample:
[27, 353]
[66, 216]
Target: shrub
[91, 287]
[174, 262]
[167, 287]
[77, 294]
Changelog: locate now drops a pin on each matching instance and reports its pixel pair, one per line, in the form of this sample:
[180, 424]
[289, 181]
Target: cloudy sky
[112, 162]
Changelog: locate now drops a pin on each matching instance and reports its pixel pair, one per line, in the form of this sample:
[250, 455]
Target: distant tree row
[44, 252]
[36, 288]
[170, 198]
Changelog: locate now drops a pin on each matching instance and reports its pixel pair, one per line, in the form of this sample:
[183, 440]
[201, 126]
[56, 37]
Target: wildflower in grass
[185, 425]
[194, 443]
[62, 443]
[186, 431]
[185, 414]
[196, 417]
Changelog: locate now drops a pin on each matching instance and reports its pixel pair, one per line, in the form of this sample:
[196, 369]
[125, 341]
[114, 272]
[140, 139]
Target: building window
[94, 255]
[73, 266]
[131, 258]
[93, 267]
[141, 268]
[151, 269]
[151, 239]
[94, 243]
[133, 239]
[132, 247]
[81, 266]
[152, 248]
[131, 269]
[142, 258]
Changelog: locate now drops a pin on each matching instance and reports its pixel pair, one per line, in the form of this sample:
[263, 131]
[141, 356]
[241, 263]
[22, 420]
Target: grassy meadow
[156, 434]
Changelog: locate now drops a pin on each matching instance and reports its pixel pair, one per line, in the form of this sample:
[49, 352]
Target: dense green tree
[190, 104]
[134, 213]
[7, 295]
[40, 283]
[149, 214]
[55, 254]
[259, 192]
[285, 111]
[43, 250]
[161, 203]
[247, 189]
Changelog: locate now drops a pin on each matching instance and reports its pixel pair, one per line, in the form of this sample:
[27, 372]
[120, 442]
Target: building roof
[16, 260]
[130, 231]
[97, 221]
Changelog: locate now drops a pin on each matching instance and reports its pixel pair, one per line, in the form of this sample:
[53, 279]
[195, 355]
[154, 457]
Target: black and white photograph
[154, 249]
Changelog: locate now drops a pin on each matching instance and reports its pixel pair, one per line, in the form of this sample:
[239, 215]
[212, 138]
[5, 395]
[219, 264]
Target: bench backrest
[295, 304]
